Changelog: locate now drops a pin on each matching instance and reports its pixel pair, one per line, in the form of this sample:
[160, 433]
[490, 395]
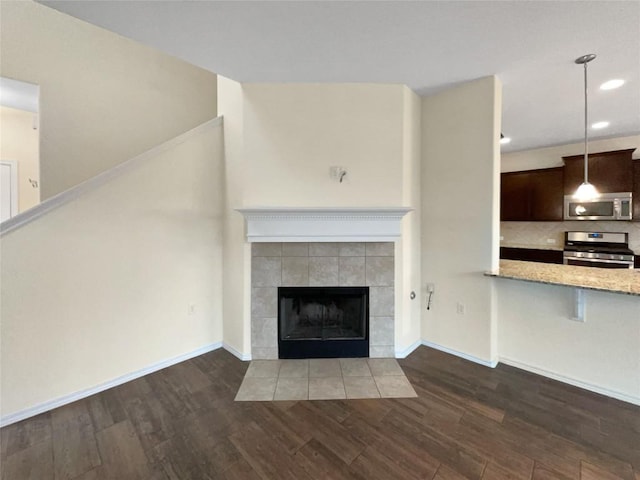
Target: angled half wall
[460, 217]
[122, 279]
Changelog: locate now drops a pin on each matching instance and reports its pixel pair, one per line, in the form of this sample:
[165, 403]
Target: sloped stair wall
[114, 278]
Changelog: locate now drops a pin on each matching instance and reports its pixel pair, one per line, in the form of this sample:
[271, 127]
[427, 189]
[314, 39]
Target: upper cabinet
[636, 190]
[533, 195]
[538, 195]
[609, 172]
[514, 196]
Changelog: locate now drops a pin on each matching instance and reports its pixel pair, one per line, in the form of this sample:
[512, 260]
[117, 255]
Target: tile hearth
[324, 379]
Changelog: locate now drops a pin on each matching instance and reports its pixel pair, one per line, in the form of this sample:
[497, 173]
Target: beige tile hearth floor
[324, 379]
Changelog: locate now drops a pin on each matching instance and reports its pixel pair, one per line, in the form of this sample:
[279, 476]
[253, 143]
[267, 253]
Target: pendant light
[586, 191]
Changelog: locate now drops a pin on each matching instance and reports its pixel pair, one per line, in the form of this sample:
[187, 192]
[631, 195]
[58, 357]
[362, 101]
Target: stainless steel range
[597, 249]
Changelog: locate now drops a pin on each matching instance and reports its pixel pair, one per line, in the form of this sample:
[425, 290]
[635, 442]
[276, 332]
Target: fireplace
[323, 322]
[282, 265]
[324, 246]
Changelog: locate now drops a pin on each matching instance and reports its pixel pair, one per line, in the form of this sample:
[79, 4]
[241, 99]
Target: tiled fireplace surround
[299, 264]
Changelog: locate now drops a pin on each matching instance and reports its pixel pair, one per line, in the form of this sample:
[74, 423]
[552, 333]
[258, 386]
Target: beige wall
[103, 98]
[19, 142]
[281, 141]
[408, 251]
[460, 183]
[237, 253]
[101, 286]
[602, 354]
[295, 132]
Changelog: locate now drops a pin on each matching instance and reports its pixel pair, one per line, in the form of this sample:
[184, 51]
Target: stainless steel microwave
[607, 206]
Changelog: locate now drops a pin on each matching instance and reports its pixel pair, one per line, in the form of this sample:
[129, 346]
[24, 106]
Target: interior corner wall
[100, 287]
[460, 216]
[237, 255]
[408, 251]
[103, 98]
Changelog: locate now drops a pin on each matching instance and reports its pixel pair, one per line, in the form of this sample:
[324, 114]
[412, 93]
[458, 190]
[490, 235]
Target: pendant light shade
[586, 191]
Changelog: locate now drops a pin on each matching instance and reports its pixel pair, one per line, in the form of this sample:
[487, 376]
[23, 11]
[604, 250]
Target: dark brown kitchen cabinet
[636, 190]
[531, 255]
[609, 172]
[547, 194]
[514, 196]
[533, 195]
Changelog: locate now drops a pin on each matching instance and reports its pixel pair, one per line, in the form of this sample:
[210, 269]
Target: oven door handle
[598, 260]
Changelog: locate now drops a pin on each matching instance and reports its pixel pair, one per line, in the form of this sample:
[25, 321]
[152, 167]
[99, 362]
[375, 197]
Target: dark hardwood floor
[468, 421]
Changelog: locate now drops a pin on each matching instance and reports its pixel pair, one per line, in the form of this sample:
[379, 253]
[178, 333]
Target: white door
[8, 189]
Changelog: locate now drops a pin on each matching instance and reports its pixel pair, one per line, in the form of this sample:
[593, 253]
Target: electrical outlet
[191, 309]
[431, 288]
[551, 240]
[460, 308]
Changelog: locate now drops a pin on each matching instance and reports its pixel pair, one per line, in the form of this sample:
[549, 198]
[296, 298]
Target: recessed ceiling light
[599, 125]
[504, 140]
[611, 84]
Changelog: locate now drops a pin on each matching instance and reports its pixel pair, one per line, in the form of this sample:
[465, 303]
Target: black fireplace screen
[323, 322]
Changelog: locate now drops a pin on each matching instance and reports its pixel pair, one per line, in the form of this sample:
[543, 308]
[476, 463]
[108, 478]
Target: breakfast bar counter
[625, 281]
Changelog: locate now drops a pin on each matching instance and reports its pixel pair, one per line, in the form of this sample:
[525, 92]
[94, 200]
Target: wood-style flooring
[468, 421]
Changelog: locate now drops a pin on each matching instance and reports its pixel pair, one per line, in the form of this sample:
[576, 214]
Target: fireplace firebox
[323, 322]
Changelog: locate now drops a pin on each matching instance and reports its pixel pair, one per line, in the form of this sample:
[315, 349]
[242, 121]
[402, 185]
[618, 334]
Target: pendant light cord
[586, 129]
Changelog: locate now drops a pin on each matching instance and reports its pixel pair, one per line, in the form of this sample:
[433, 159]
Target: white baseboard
[245, 357]
[60, 401]
[572, 381]
[471, 358]
[407, 351]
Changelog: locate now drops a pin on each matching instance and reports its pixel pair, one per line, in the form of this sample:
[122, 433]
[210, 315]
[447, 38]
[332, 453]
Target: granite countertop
[625, 281]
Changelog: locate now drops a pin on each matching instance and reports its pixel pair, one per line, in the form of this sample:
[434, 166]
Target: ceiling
[428, 45]
[20, 95]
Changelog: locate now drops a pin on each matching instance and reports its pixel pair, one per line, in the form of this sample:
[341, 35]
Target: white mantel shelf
[314, 224]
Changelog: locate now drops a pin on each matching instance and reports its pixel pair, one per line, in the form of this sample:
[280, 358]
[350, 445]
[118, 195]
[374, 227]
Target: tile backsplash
[540, 234]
